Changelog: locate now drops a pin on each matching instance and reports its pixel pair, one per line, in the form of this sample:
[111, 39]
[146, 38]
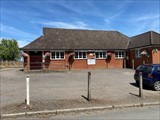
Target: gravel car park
[68, 89]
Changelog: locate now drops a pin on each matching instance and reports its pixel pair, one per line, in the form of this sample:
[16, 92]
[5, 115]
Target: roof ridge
[143, 33]
[79, 29]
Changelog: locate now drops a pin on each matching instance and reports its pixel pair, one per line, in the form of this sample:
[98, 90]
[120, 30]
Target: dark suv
[150, 74]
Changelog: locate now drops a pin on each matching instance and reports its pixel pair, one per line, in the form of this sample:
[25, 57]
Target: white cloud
[133, 25]
[146, 17]
[74, 25]
[22, 37]
[146, 23]
[22, 43]
[15, 32]
[140, 24]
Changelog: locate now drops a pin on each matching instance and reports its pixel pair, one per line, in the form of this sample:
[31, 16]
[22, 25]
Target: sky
[24, 20]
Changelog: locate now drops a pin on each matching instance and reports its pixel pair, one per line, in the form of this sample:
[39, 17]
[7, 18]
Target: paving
[68, 89]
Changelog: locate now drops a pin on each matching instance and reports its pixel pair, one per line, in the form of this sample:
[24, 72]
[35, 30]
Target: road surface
[143, 113]
[134, 113]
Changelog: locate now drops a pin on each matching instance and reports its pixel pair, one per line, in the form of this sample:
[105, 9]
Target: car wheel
[156, 86]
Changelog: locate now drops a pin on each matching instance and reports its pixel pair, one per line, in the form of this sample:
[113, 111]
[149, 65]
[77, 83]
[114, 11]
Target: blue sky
[23, 20]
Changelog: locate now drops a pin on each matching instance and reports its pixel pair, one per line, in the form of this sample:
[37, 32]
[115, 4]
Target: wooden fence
[11, 64]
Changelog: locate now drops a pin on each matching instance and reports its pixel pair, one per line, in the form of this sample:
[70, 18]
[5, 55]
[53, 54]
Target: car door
[147, 70]
[157, 75]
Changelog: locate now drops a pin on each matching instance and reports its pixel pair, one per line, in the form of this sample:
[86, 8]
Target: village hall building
[70, 49]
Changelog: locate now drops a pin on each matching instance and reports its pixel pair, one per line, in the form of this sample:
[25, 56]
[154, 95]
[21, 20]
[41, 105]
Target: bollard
[27, 89]
[133, 64]
[124, 63]
[144, 62]
[89, 87]
[141, 85]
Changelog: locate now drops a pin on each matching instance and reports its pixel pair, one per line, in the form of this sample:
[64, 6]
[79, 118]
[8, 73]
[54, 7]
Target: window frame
[138, 53]
[59, 55]
[122, 56]
[82, 55]
[103, 55]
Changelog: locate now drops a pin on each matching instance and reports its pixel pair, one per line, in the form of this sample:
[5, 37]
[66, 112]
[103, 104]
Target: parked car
[150, 75]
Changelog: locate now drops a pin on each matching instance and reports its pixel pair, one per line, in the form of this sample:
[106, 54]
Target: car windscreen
[140, 68]
[147, 69]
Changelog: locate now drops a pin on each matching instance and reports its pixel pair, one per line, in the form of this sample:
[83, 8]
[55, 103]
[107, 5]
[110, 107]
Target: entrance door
[35, 60]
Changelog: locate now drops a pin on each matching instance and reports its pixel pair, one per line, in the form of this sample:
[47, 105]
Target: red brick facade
[64, 64]
[153, 58]
[111, 62]
[156, 56]
[66, 49]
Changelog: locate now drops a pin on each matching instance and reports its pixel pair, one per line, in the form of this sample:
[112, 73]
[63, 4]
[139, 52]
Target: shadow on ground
[145, 87]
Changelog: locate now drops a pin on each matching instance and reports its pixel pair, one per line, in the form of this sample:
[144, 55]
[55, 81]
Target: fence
[11, 64]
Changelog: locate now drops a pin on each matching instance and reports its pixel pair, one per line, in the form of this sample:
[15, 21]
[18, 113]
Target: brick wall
[26, 63]
[99, 63]
[111, 62]
[154, 58]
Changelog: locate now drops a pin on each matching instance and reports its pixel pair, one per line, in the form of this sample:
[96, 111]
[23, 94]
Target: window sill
[118, 58]
[101, 58]
[57, 59]
[80, 58]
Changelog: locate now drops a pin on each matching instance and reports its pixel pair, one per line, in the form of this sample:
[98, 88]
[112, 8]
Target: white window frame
[103, 56]
[120, 56]
[82, 54]
[56, 58]
[138, 53]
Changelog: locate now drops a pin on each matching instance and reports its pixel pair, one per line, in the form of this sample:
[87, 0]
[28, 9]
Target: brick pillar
[26, 62]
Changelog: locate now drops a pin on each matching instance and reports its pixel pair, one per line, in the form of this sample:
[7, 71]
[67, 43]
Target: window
[138, 53]
[147, 69]
[80, 55]
[119, 54]
[57, 55]
[158, 69]
[100, 55]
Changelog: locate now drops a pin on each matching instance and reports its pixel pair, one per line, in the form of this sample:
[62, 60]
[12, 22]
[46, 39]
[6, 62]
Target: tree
[9, 49]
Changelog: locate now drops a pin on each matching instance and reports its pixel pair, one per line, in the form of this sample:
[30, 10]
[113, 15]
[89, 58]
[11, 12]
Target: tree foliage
[9, 49]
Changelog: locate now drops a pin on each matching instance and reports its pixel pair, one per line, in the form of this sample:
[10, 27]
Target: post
[43, 60]
[43, 64]
[141, 85]
[89, 87]
[133, 63]
[124, 60]
[27, 89]
[2, 63]
[144, 62]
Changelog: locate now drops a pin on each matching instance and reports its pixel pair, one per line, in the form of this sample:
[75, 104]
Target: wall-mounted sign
[91, 61]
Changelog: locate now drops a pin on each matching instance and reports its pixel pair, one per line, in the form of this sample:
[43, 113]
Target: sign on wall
[91, 61]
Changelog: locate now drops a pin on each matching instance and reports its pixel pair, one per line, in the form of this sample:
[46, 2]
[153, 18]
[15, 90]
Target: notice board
[91, 61]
